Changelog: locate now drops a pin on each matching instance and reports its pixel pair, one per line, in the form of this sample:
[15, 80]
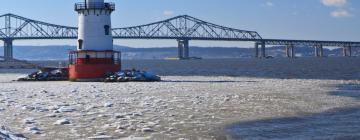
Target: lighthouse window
[80, 41]
[107, 29]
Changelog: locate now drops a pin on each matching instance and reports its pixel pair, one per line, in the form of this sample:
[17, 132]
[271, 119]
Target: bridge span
[181, 28]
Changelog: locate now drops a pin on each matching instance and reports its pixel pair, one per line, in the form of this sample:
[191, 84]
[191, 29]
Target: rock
[122, 127]
[34, 130]
[51, 95]
[122, 115]
[191, 117]
[28, 108]
[107, 126]
[53, 107]
[51, 115]
[29, 120]
[171, 129]
[183, 139]
[41, 109]
[120, 131]
[66, 109]
[146, 129]
[102, 116]
[152, 124]
[135, 138]
[101, 137]
[62, 122]
[87, 108]
[29, 96]
[108, 104]
[227, 99]
[132, 127]
[100, 133]
[2, 109]
[6, 134]
[137, 114]
[43, 91]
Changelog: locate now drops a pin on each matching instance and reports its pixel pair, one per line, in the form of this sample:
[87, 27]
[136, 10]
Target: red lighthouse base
[93, 65]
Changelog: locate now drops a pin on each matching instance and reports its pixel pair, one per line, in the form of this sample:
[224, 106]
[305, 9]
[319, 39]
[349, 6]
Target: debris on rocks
[66, 109]
[6, 134]
[62, 74]
[101, 137]
[108, 104]
[147, 130]
[34, 130]
[48, 74]
[29, 120]
[62, 122]
[132, 75]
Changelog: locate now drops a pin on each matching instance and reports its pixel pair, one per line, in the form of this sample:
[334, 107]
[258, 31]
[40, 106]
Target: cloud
[270, 4]
[340, 13]
[168, 13]
[341, 10]
[334, 3]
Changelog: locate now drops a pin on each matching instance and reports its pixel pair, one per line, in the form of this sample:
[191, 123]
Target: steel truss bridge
[181, 28]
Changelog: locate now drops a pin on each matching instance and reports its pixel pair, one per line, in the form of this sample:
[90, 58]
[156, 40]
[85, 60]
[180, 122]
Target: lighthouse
[94, 57]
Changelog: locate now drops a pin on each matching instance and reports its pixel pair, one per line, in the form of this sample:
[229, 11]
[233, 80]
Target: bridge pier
[183, 49]
[289, 50]
[319, 51]
[347, 51]
[256, 50]
[263, 51]
[186, 49]
[316, 51]
[8, 49]
[180, 50]
[292, 51]
[350, 51]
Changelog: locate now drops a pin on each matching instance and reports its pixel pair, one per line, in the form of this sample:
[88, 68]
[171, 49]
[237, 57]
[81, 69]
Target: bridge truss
[16, 27]
[181, 28]
[185, 28]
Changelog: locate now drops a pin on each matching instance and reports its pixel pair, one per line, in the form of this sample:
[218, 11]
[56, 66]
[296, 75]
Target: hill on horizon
[59, 52]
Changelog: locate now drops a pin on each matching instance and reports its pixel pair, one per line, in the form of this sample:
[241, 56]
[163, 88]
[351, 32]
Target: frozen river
[306, 98]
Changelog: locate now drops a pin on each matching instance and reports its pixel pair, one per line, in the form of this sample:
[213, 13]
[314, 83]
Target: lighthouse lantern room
[94, 57]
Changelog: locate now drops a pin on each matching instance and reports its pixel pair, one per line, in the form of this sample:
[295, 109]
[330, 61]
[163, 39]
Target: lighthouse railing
[94, 57]
[94, 6]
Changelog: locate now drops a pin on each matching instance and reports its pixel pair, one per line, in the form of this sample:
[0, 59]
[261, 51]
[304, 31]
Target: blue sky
[285, 19]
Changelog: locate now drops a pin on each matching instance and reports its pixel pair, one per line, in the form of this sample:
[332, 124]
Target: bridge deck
[182, 27]
[310, 43]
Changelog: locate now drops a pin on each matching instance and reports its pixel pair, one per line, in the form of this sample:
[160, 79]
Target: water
[303, 98]
[340, 123]
[283, 68]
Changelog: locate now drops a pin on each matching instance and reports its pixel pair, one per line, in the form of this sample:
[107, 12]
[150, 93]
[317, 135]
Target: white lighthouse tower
[94, 57]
